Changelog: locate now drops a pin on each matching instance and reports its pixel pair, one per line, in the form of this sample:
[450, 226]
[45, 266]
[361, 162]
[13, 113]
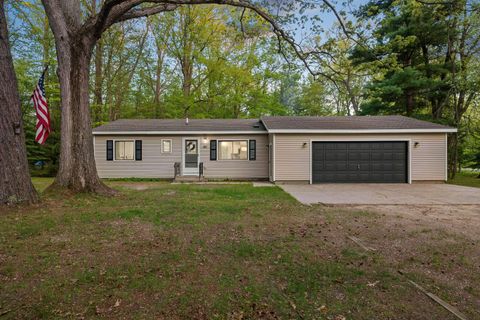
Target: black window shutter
[213, 150]
[252, 150]
[138, 150]
[109, 150]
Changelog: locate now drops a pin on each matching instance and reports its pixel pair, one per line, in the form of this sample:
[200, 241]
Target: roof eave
[343, 131]
[98, 133]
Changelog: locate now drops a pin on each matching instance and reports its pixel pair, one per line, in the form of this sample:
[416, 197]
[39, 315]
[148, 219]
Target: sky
[328, 18]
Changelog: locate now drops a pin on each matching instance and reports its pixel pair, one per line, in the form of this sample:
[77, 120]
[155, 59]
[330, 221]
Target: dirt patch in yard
[437, 246]
[463, 219]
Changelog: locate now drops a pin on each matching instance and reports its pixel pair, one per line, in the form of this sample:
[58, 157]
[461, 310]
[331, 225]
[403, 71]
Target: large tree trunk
[77, 170]
[15, 183]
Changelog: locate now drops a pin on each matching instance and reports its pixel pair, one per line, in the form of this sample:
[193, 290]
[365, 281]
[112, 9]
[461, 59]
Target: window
[233, 150]
[166, 145]
[124, 150]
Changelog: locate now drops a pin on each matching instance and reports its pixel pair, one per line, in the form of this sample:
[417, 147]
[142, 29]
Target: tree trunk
[98, 99]
[15, 183]
[453, 155]
[77, 170]
[187, 72]
[158, 83]
[410, 102]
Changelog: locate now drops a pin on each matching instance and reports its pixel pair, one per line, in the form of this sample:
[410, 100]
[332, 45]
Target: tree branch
[145, 12]
[114, 11]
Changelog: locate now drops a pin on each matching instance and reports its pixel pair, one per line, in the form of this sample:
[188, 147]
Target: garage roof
[351, 123]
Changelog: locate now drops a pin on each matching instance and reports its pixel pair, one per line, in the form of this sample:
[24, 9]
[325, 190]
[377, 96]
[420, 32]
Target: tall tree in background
[15, 182]
[408, 39]
[462, 58]
[346, 79]
[423, 59]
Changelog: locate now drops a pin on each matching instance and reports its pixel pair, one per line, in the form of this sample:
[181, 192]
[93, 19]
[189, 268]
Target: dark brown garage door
[355, 162]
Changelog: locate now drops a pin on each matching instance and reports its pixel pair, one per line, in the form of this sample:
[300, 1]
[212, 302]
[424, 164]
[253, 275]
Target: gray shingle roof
[274, 123]
[179, 125]
[348, 123]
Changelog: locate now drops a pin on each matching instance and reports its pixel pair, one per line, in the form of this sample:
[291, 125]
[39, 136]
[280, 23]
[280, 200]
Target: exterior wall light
[305, 144]
[205, 141]
[416, 144]
[16, 128]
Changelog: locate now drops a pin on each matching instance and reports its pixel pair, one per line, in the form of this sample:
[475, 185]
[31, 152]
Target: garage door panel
[358, 155]
[378, 161]
[335, 147]
[376, 156]
[364, 166]
[336, 155]
[336, 166]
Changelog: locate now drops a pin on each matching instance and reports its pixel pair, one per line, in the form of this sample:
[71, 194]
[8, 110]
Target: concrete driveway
[384, 194]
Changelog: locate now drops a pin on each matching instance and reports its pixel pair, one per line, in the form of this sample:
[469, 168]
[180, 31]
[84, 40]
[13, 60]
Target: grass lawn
[468, 179]
[223, 252]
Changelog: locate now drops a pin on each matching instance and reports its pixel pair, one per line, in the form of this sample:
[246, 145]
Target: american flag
[41, 108]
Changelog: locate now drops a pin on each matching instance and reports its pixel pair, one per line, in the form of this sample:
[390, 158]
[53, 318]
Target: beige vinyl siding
[236, 169]
[292, 159]
[155, 164]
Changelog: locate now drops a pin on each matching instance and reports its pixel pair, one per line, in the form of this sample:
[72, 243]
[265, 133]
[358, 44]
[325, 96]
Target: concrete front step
[188, 179]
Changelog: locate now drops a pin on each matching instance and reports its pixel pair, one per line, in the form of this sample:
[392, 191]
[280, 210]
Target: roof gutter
[304, 131]
[99, 133]
[334, 131]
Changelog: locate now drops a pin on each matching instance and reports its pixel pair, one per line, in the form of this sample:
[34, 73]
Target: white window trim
[409, 147]
[161, 146]
[115, 149]
[234, 160]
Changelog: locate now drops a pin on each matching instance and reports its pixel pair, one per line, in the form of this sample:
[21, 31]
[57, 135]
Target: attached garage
[356, 149]
[360, 162]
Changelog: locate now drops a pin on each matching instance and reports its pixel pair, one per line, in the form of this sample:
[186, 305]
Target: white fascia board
[109, 133]
[363, 131]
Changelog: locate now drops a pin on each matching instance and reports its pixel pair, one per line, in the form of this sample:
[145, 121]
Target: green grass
[41, 183]
[215, 252]
[468, 179]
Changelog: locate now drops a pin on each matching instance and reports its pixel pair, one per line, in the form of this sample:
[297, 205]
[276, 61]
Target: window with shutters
[233, 150]
[124, 150]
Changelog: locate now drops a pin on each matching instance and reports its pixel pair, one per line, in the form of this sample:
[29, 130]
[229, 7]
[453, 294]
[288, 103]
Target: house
[377, 149]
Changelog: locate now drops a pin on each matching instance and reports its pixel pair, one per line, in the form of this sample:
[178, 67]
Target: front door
[190, 157]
